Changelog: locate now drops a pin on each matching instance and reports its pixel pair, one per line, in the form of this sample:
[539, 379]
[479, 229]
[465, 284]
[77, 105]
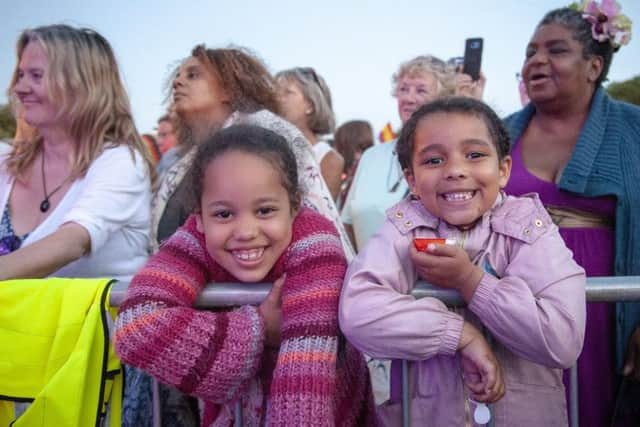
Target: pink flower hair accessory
[607, 23]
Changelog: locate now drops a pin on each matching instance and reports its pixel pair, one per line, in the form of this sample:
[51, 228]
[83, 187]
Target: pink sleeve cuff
[482, 297]
[452, 333]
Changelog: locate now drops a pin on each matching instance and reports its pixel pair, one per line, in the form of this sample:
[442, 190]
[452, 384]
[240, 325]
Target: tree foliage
[628, 90]
[7, 122]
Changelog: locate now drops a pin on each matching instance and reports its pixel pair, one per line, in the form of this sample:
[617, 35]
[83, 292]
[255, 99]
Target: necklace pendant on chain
[44, 205]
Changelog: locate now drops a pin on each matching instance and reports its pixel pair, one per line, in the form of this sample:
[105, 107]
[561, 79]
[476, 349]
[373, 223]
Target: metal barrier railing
[599, 289]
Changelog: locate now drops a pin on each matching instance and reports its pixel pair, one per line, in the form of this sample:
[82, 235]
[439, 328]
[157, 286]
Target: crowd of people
[249, 180]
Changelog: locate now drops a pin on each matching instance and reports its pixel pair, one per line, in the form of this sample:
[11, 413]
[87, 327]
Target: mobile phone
[421, 244]
[472, 57]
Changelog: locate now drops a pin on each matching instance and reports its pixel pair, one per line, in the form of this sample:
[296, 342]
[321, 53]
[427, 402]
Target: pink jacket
[531, 299]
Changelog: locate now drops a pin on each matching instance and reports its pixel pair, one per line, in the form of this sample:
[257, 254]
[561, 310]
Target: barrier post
[238, 415]
[599, 289]
[406, 421]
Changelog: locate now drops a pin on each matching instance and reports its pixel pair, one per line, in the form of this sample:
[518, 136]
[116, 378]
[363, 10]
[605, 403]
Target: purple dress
[593, 249]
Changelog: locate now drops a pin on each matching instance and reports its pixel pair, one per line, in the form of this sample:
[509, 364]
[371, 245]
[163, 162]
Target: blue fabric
[137, 402]
[377, 185]
[177, 409]
[606, 161]
[9, 241]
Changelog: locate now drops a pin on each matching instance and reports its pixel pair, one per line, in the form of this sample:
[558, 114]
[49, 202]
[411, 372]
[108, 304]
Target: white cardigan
[112, 202]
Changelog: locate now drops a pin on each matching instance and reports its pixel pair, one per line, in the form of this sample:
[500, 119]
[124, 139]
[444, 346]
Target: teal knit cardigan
[606, 161]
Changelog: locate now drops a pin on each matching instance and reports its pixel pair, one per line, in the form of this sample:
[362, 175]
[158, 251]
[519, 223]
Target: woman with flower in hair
[63, 212]
[580, 150]
[306, 102]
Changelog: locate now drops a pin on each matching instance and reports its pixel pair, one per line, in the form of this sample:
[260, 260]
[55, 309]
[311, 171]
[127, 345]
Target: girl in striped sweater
[285, 360]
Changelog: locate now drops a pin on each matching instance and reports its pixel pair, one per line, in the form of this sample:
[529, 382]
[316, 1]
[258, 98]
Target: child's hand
[480, 369]
[447, 266]
[271, 312]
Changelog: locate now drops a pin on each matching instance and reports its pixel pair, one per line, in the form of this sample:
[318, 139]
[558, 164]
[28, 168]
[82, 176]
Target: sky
[355, 45]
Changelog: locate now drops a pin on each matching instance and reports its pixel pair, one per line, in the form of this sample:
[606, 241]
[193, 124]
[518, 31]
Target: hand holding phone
[473, 57]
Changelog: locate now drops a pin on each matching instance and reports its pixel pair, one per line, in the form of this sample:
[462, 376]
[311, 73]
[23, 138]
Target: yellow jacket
[55, 352]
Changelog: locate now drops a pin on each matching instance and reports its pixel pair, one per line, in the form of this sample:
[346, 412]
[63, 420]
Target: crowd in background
[244, 156]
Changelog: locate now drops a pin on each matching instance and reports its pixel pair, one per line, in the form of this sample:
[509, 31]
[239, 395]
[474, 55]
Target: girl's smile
[246, 214]
[455, 170]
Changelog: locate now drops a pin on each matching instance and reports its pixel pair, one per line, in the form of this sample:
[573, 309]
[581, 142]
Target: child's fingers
[278, 283]
[485, 395]
[488, 388]
[274, 295]
[442, 249]
[476, 387]
[494, 392]
[490, 376]
[424, 259]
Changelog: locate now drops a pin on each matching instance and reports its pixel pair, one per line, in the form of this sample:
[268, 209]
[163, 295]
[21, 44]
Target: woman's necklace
[45, 204]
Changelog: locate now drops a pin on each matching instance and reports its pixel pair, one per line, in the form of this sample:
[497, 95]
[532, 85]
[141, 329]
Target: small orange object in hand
[421, 244]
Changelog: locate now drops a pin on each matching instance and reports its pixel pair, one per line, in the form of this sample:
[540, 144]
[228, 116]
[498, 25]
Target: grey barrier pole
[238, 421]
[406, 420]
[599, 289]
[574, 405]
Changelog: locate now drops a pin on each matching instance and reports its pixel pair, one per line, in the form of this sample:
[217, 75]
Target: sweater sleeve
[378, 314]
[304, 380]
[205, 354]
[537, 309]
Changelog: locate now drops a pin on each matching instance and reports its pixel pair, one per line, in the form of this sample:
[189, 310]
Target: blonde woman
[75, 197]
[305, 100]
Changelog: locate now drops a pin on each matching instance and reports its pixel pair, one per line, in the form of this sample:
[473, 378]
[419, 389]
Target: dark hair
[352, 136]
[581, 29]
[457, 104]
[242, 75]
[249, 139]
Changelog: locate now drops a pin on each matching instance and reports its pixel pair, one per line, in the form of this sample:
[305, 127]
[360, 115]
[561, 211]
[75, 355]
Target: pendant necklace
[45, 204]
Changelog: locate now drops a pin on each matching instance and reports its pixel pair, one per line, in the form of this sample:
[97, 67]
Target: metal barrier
[599, 289]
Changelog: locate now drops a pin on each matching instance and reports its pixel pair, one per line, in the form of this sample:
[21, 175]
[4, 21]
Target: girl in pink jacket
[509, 264]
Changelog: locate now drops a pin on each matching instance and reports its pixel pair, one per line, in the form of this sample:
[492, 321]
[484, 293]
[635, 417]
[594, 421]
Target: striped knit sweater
[315, 379]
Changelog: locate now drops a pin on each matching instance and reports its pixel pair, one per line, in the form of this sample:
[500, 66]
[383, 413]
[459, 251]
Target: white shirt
[112, 202]
[320, 149]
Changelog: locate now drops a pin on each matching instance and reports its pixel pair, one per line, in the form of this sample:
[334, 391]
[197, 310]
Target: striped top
[315, 377]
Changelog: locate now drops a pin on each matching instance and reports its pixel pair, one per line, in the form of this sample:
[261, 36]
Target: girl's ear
[411, 180]
[296, 205]
[199, 224]
[505, 171]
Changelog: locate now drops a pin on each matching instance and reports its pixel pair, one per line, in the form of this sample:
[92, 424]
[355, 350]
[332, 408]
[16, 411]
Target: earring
[309, 111]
